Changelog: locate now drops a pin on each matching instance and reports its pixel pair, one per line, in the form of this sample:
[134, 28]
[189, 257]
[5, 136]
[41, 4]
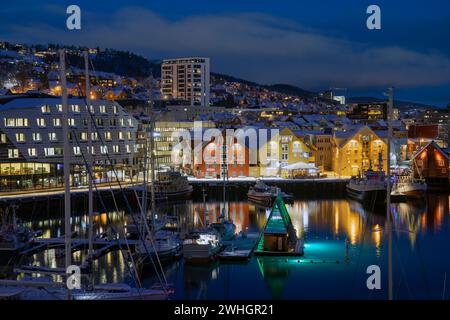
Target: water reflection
[341, 240]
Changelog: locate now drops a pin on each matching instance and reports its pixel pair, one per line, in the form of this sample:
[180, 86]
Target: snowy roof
[26, 103]
[299, 166]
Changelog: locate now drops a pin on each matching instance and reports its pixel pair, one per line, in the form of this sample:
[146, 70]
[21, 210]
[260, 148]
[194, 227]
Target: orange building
[210, 166]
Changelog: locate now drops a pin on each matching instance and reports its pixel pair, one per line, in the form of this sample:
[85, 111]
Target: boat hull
[267, 201]
[374, 197]
[200, 254]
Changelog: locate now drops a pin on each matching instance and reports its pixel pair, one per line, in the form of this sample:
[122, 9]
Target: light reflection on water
[341, 239]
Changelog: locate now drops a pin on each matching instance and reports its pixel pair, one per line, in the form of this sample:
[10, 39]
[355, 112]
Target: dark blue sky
[312, 44]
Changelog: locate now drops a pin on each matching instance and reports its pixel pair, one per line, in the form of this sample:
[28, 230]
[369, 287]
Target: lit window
[2, 138]
[52, 136]
[37, 137]
[76, 151]
[108, 135]
[13, 153]
[83, 136]
[40, 122]
[75, 108]
[57, 122]
[49, 152]
[127, 147]
[121, 135]
[59, 107]
[20, 137]
[104, 149]
[115, 148]
[102, 109]
[71, 122]
[94, 136]
[32, 152]
[45, 109]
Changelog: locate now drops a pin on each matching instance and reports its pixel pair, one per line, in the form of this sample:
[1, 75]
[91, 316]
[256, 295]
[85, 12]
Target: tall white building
[186, 79]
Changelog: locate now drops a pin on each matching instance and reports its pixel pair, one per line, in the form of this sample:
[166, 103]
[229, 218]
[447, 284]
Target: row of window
[57, 151]
[83, 136]
[23, 122]
[75, 108]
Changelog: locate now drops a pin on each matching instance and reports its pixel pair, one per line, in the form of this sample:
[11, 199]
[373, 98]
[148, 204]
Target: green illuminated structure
[278, 236]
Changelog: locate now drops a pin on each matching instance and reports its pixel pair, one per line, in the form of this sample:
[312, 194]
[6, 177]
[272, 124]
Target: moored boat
[201, 246]
[14, 237]
[407, 187]
[172, 185]
[369, 190]
[265, 195]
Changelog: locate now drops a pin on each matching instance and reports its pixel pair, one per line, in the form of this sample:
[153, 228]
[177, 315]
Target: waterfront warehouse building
[31, 142]
[186, 79]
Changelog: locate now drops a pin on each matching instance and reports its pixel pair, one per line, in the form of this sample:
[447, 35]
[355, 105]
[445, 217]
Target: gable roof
[432, 142]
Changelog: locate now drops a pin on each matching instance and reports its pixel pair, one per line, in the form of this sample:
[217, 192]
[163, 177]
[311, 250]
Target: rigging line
[422, 267]
[403, 272]
[152, 243]
[89, 169]
[120, 187]
[143, 217]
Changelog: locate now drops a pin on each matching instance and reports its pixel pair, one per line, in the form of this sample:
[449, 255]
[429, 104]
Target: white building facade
[31, 142]
[186, 79]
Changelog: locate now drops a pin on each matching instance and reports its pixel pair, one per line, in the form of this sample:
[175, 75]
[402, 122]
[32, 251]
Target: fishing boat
[406, 187]
[201, 246]
[14, 237]
[172, 185]
[265, 195]
[279, 236]
[369, 190]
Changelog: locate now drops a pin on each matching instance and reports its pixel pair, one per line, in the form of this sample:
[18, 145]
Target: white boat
[407, 187]
[202, 246]
[163, 246]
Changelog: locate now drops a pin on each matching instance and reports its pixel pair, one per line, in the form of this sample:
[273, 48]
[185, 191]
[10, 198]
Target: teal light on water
[325, 249]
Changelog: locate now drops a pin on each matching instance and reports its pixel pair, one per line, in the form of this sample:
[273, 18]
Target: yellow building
[355, 151]
[283, 149]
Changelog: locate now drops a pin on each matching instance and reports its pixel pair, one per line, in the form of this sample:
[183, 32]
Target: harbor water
[341, 240]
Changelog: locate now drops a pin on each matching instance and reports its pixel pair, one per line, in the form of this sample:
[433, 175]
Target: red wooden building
[432, 163]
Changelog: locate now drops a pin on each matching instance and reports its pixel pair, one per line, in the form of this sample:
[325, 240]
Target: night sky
[315, 45]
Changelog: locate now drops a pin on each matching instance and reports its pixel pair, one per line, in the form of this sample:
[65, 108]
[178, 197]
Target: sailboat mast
[90, 157]
[152, 151]
[224, 175]
[66, 157]
[388, 192]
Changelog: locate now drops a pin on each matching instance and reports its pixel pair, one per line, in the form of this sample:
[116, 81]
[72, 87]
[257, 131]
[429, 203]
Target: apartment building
[186, 79]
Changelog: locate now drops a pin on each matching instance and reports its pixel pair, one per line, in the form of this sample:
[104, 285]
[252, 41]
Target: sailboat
[14, 237]
[158, 246]
[225, 227]
[42, 288]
